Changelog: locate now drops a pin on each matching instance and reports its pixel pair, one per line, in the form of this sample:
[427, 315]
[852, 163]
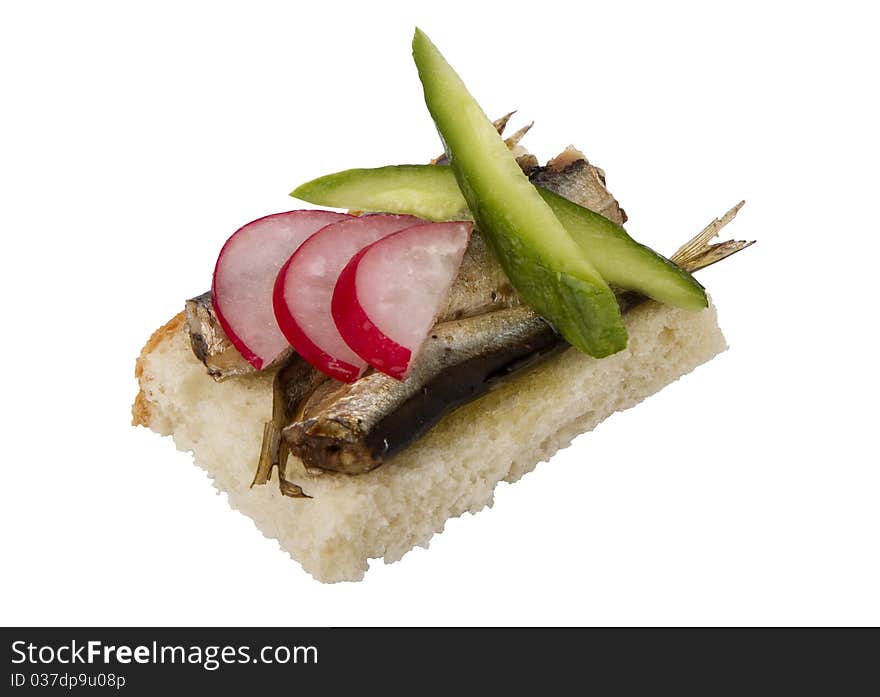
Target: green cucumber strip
[427, 191]
[545, 265]
[399, 188]
[622, 261]
[431, 191]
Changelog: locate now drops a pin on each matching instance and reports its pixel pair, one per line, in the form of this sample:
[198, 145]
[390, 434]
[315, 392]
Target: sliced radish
[245, 275]
[388, 296]
[304, 290]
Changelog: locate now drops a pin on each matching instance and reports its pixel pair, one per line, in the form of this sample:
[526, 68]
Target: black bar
[136, 661]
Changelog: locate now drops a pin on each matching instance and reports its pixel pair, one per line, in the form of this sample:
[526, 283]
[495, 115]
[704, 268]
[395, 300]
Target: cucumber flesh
[545, 265]
[431, 191]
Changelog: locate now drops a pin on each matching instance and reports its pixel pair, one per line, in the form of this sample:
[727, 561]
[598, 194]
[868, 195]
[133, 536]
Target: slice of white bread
[453, 469]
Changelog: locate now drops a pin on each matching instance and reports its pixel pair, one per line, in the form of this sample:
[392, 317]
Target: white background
[137, 136]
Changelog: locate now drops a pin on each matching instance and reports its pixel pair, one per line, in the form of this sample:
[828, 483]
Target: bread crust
[141, 412]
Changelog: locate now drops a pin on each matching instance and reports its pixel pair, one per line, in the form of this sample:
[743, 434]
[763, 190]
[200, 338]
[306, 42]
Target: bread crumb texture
[452, 470]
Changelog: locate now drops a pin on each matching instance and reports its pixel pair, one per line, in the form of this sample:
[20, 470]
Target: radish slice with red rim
[245, 275]
[388, 296]
[304, 290]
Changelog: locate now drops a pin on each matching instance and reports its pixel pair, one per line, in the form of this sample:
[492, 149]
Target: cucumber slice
[425, 191]
[399, 188]
[546, 266]
[430, 191]
[622, 261]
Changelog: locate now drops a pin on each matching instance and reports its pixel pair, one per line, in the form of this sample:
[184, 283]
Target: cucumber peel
[431, 191]
[545, 265]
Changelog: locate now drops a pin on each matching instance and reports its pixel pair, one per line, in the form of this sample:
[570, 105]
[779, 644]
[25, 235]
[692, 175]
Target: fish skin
[481, 285]
[210, 343]
[571, 175]
[356, 427]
